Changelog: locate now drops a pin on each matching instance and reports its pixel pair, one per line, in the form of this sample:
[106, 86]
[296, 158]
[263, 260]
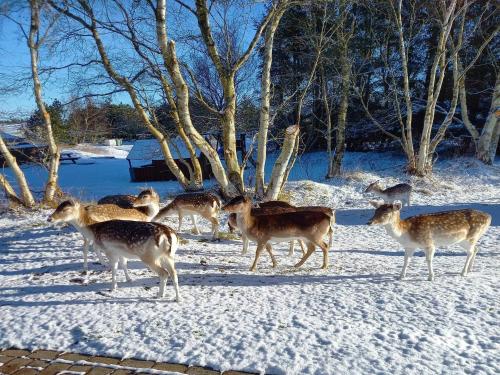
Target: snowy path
[354, 318]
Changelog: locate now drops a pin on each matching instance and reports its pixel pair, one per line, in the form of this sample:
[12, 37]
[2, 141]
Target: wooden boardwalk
[50, 362]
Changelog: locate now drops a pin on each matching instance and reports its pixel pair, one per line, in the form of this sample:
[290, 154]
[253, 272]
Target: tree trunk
[196, 178]
[341, 120]
[33, 44]
[265, 102]
[328, 118]
[424, 158]
[27, 197]
[229, 134]
[171, 63]
[10, 193]
[488, 141]
[279, 169]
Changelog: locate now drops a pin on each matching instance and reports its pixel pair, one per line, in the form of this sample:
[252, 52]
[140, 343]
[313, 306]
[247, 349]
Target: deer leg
[170, 266]
[302, 246]
[260, 246]
[270, 251]
[310, 250]
[470, 256]
[180, 221]
[245, 244]
[99, 255]
[195, 227]
[408, 254]
[471, 264]
[324, 247]
[114, 266]
[123, 265]
[85, 255]
[215, 228]
[291, 250]
[429, 255]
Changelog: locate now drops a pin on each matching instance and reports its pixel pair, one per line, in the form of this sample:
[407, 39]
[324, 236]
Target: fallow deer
[92, 214]
[268, 207]
[401, 192]
[205, 204]
[147, 202]
[428, 231]
[153, 243]
[310, 226]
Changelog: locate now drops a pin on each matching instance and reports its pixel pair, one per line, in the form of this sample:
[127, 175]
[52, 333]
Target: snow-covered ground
[354, 318]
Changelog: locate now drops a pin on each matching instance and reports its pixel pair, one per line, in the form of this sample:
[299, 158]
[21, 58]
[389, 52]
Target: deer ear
[397, 206]
[376, 204]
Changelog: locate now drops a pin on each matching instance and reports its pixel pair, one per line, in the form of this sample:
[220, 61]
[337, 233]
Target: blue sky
[15, 62]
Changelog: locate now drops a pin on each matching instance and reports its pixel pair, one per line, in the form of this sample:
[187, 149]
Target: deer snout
[49, 219]
[370, 222]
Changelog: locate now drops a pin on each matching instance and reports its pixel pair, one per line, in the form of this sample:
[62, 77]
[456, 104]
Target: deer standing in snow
[401, 192]
[309, 226]
[147, 202]
[92, 214]
[153, 243]
[428, 231]
[205, 204]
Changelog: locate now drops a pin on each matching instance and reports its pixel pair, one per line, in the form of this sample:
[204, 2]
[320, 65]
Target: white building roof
[149, 149]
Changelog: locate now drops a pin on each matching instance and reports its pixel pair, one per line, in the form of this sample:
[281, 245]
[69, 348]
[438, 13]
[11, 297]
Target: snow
[354, 318]
[149, 149]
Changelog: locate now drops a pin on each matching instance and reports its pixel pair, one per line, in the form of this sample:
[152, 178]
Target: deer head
[374, 186]
[238, 204]
[384, 213]
[145, 198]
[67, 211]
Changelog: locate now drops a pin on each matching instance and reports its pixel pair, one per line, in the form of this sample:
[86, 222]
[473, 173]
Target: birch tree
[34, 42]
[90, 24]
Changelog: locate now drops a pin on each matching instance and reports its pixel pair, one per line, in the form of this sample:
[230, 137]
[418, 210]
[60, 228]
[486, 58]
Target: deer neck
[246, 218]
[82, 222]
[396, 227]
[151, 210]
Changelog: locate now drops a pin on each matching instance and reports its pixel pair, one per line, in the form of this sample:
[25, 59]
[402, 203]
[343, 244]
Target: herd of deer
[126, 227]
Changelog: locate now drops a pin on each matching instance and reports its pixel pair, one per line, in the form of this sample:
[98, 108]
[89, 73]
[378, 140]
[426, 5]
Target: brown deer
[428, 231]
[153, 243]
[310, 226]
[272, 207]
[399, 192]
[92, 214]
[205, 204]
[147, 202]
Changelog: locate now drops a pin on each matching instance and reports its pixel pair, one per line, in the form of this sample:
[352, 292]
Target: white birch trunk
[27, 197]
[488, 141]
[265, 101]
[33, 44]
[280, 167]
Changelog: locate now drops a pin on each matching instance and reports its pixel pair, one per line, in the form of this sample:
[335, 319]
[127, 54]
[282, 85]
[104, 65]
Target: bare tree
[226, 68]
[91, 24]
[34, 42]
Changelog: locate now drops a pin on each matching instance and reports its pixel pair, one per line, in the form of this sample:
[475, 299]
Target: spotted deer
[91, 214]
[205, 204]
[153, 243]
[147, 202]
[428, 231]
[401, 192]
[309, 226]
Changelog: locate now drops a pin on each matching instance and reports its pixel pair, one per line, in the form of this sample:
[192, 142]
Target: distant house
[23, 150]
[149, 151]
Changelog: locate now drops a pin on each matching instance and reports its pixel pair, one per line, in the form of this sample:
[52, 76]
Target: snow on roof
[149, 149]
[12, 132]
